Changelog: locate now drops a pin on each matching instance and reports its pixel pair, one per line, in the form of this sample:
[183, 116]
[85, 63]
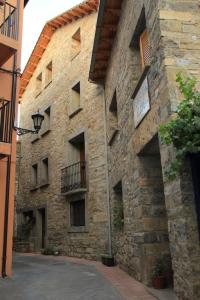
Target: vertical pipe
[107, 177]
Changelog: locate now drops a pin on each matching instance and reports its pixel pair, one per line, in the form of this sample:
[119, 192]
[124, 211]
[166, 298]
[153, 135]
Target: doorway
[156, 248]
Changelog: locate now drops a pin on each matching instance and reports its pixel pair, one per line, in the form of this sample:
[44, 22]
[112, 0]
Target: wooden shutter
[144, 49]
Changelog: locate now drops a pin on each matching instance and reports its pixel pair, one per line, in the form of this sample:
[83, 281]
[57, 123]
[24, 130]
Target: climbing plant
[183, 130]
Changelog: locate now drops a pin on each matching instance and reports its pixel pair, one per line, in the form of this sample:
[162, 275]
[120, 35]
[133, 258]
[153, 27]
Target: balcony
[73, 178]
[9, 22]
[5, 122]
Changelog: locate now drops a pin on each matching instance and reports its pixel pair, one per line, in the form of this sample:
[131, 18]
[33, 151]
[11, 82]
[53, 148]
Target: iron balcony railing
[5, 122]
[73, 177]
[9, 20]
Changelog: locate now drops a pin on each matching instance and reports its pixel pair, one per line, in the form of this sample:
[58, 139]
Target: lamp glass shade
[37, 120]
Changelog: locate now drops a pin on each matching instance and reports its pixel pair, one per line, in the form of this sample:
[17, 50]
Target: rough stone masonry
[58, 142]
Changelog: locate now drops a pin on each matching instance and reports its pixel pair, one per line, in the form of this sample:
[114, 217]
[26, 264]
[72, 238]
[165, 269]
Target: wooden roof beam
[57, 22]
[91, 7]
[113, 11]
[81, 10]
[42, 46]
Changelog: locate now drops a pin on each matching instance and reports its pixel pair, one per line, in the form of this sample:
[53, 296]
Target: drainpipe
[107, 178]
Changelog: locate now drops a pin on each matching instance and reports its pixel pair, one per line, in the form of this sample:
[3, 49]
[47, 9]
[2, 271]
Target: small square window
[77, 213]
[48, 74]
[76, 44]
[45, 171]
[38, 85]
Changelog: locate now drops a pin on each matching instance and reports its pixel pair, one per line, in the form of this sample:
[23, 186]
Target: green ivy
[183, 131]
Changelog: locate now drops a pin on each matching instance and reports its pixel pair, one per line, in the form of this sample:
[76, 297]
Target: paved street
[41, 278]
[37, 277]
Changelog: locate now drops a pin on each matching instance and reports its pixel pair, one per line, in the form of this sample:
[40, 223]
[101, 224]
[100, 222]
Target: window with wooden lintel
[76, 43]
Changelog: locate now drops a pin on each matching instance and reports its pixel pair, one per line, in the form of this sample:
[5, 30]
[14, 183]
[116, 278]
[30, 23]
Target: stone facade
[150, 217]
[63, 127]
[159, 217]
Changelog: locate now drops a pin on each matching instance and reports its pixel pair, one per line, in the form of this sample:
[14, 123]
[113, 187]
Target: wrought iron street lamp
[37, 123]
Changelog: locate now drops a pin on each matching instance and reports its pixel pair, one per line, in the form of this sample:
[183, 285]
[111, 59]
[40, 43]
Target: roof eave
[109, 11]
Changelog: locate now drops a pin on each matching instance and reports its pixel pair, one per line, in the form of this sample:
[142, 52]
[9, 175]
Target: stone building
[62, 199]
[139, 47]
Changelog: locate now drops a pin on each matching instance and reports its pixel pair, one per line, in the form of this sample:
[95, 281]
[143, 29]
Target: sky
[36, 14]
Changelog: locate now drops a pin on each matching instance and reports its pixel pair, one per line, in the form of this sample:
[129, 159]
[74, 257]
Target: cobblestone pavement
[37, 277]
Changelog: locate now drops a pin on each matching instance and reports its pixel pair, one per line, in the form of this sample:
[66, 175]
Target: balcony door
[73, 175]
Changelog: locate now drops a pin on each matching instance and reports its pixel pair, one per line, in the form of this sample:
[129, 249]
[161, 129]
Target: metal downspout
[107, 179]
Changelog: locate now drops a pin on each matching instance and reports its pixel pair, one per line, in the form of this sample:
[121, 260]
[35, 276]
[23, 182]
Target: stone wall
[150, 203]
[90, 241]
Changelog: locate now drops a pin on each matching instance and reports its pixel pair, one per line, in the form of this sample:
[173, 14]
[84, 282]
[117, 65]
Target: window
[45, 171]
[75, 99]
[140, 41]
[74, 175]
[38, 84]
[113, 118]
[118, 207]
[48, 74]
[144, 49]
[76, 44]
[34, 175]
[77, 213]
[47, 121]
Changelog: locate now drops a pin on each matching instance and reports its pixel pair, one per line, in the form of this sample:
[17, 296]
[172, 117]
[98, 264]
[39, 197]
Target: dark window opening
[113, 118]
[75, 98]
[77, 213]
[45, 171]
[195, 164]
[34, 175]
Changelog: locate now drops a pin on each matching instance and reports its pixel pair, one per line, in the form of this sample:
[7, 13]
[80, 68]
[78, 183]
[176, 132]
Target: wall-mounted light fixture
[37, 123]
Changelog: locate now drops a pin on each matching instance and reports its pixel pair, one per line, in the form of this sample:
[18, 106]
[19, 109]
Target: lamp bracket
[22, 131]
